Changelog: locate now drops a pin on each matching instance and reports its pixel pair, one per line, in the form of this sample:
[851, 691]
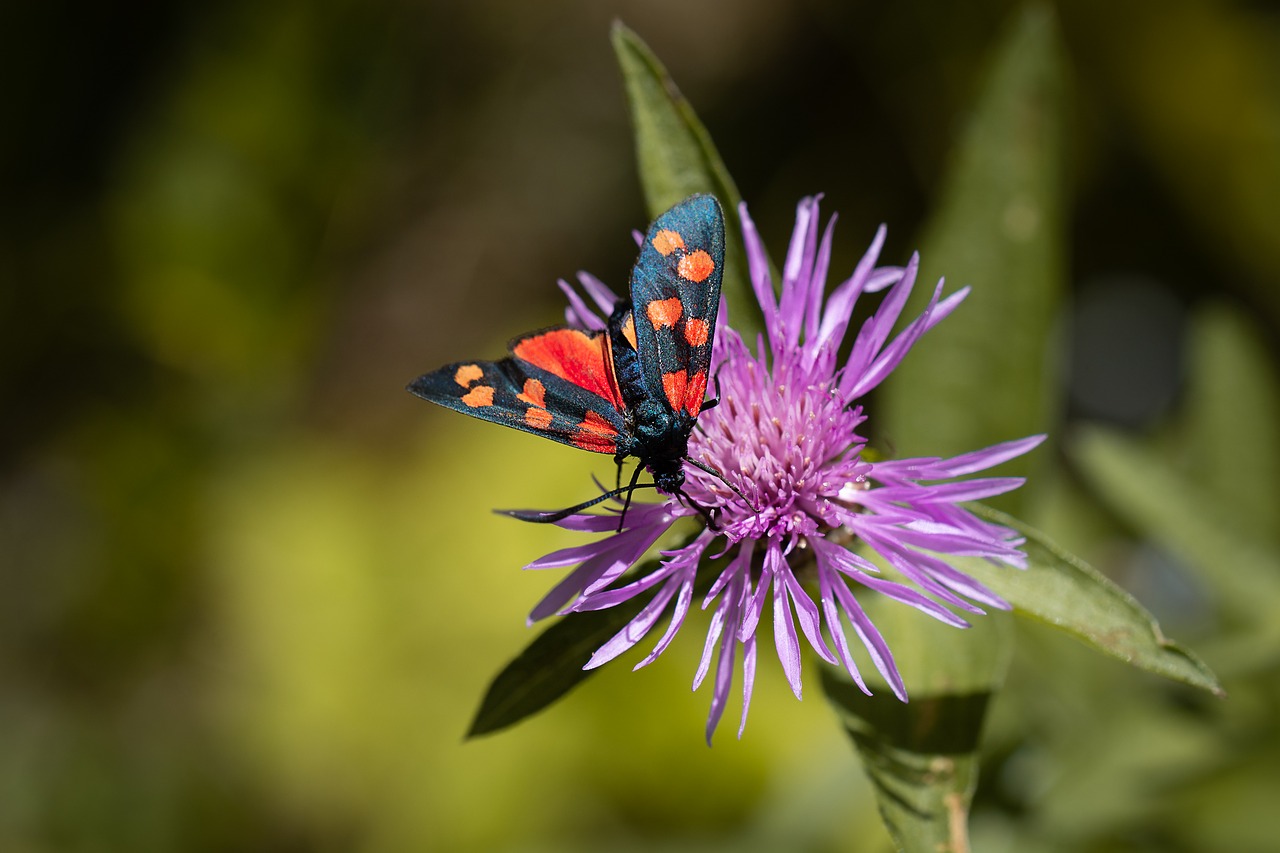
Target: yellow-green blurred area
[251, 590]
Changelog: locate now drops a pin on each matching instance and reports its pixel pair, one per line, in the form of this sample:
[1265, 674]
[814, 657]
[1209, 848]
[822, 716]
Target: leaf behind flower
[985, 374]
[552, 665]
[1062, 590]
[549, 667]
[677, 158]
[922, 755]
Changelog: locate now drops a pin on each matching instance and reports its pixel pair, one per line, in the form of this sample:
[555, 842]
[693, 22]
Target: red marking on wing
[667, 241]
[534, 393]
[479, 397]
[467, 373]
[696, 266]
[664, 312]
[674, 385]
[696, 331]
[695, 392]
[573, 356]
[596, 434]
[537, 418]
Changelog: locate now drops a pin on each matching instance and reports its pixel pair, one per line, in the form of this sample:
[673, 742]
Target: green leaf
[920, 759]
[677, 158]
[549, 667]
[922, 756]
[984, 375]
[1062, 590]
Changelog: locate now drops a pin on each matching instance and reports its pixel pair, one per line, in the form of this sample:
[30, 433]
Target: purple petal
[882, 278]
[838, 558]
[836, 626]
[600, 293]
[725, 660]
[971, 490]
[577, 313]
[872, 640]
[892, 356]
[684, 559]
[635, 630]
[678, 615]
[797, 283]
[875, 331]
[748, 679]
[818, 276]
[955, 542]
[741, 564]
[835, 319]
[561, 593]
[571, 556]
[907, 595]
[784, 638]
[916, 569]
[758, 268]
[718, 621]
[755, 607]
[958, 581]
[980, 460]
[808, 616]
[603, 599]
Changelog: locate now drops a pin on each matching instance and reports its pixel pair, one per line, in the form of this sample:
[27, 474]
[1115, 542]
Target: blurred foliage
[251, 593]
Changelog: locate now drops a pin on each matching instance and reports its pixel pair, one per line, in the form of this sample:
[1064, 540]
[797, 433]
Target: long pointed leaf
[1064, 591]
[677, 158]
[549, 667]
[983, 376]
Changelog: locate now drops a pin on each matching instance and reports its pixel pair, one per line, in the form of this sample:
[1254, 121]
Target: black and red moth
[633, 389]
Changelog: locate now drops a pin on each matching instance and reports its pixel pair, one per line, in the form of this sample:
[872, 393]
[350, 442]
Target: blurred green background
[252, 591]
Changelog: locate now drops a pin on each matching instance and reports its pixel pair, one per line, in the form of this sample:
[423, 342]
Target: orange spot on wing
[595, 433]
[664, 312]
[534, 393]
[696, 331]
[574, 356]
[675, 386]
[696, 391]
[666, 242]
[537, 418]
[629, 331]
[696, 266]
[466, 374]
[479, 397]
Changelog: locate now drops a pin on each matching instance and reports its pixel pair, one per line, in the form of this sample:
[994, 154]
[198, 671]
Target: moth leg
[631, 490]
[617, 480]
[714, 401]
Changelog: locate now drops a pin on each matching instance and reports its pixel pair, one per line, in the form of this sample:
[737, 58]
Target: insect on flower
[634, 388]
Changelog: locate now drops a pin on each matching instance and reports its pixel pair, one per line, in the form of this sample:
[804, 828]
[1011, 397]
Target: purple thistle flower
[786, 434]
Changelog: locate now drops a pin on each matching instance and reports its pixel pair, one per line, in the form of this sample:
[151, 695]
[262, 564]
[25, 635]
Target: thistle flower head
[786, 434]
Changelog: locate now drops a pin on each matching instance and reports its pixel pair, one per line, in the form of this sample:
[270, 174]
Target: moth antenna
[701, 466]
[540, 517]
[705, 512]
